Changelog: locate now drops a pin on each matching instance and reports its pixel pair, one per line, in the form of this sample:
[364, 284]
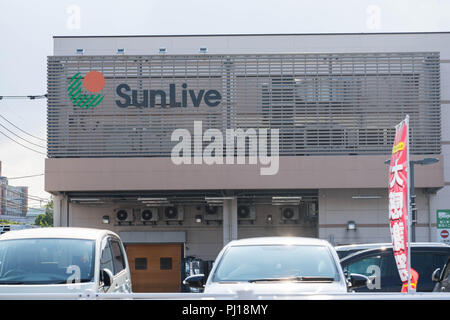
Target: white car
[274, 265]
[63, 260]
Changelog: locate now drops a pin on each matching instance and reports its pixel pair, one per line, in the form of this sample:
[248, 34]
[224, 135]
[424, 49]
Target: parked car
[63, 260]
[346, 250]
[379, 265]
[442, 278]
[277, 265]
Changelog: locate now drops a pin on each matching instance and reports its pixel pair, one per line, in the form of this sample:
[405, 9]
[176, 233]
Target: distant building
[13, 200]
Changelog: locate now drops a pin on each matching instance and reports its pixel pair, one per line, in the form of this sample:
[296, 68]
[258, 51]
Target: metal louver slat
[323, 104]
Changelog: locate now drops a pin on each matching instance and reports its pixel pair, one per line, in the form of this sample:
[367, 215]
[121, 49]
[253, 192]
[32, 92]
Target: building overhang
[307, 172]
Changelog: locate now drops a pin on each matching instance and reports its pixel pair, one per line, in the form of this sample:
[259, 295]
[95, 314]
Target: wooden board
[155, 267]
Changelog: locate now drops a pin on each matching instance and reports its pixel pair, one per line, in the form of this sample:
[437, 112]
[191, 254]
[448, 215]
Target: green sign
[443, 219]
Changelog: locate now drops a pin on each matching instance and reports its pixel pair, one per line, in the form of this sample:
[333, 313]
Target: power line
[15, 205]
[23, 177]
[21, 143]
[24, 194]
[21, 129]
[37, 145]
[5, 204]
[31, 97]
[29, 197]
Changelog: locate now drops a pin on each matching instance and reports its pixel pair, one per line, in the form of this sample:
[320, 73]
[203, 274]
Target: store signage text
[151, 98]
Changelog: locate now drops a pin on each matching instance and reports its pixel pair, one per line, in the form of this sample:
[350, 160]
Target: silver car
[63, 260]
[277, 265]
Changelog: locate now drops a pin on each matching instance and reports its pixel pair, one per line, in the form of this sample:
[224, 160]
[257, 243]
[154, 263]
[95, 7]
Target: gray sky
[27, 27]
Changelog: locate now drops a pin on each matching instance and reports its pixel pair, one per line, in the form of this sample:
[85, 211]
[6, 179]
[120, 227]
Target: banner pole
[408, 225]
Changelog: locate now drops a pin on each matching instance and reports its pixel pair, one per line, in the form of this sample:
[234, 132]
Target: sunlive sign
[173, 96]
[443, 226]
[151, 98]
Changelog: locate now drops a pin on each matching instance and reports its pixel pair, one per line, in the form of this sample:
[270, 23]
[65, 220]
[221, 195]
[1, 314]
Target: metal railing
[238, 295]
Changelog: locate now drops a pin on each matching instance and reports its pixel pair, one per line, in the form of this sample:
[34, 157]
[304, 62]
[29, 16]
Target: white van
[63, 260]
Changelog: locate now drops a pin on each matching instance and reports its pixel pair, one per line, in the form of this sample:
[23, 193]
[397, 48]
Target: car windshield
[276, 262]
[46, 261]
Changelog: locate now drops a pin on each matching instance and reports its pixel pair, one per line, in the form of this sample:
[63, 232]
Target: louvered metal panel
[323, 104]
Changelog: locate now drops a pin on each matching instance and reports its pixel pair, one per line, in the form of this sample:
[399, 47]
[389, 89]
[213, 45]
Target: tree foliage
[45, 219]
[5, 221]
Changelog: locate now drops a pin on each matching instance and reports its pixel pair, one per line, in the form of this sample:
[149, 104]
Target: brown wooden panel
[153, 278]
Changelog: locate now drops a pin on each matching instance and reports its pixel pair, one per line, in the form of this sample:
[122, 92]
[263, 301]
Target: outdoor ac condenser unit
[173, 213]
[213, 213]
[149, 214]
[246, 212]
[290, 213]
[124, 215]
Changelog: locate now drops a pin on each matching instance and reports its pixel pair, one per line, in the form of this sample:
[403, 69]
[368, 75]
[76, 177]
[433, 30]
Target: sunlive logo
[93, 82]
[160, 97]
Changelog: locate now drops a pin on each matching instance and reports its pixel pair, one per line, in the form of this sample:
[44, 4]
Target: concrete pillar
[60, 211]
[57, 204]
[230, 222]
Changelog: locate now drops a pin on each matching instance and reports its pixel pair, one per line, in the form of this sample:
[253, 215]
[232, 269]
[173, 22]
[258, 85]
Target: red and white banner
[399, 198]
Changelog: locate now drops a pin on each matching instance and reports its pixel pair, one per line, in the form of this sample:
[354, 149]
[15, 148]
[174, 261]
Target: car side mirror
[106, 276]
[436, 275]
[357, 280]
[195, 281]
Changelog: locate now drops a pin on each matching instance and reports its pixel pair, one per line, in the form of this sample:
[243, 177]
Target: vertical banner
[399, 185]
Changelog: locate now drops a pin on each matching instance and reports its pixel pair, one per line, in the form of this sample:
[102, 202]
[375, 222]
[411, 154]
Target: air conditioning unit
[213, 213]
[173, 213]
[124, 215]
[149, 214]
[290, 213]
[245, 212]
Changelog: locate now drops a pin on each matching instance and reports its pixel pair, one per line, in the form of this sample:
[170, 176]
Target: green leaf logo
[93, 82]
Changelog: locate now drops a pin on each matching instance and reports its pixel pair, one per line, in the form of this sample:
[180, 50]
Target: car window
[244, 263]
[106, 261]
[118, 258]
[365, 265]
[425, 263]
[343, 253]
[46, 261]
[446, 272]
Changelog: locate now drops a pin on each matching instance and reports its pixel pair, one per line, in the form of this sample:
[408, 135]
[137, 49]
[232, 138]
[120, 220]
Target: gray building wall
[337, 207]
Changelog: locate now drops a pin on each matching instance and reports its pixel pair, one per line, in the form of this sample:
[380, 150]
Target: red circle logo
[94, 81]
[444, 234]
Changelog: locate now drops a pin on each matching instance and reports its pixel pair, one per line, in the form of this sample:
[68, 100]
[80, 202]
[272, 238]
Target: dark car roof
[416, 246]
[364, 246]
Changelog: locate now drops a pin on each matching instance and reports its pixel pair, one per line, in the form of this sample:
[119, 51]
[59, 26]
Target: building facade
[13, 200]
[183, 143]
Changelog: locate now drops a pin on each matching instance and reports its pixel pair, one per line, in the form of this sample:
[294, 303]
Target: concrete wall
[249, 44]
[316, 172]
[337, 207]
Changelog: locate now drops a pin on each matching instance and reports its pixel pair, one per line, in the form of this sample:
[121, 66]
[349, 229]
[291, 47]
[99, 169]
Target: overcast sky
[27, 27]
